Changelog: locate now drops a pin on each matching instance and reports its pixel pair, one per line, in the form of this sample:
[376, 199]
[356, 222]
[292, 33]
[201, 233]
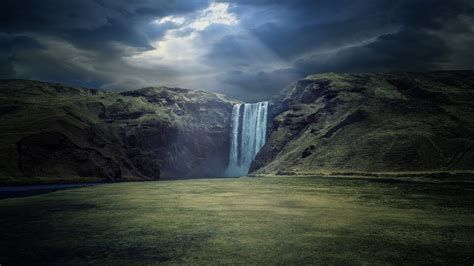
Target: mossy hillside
[183, 106]
[200, 121]
[113, 127]
[372, 123]
[394, 122]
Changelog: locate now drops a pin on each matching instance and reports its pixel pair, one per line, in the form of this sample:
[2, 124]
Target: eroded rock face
[51, 130]
[193, 140]
[324, 123]
[54, 154]
[370, 123]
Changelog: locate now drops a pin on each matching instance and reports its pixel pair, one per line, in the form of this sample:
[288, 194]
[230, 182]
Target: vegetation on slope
[51, 132]
[325, 123]
[398, 122]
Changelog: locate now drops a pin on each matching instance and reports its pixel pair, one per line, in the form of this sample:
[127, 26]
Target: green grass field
[267, 220]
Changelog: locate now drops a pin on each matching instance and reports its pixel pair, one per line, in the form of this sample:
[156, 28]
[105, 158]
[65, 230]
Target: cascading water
[248, 131]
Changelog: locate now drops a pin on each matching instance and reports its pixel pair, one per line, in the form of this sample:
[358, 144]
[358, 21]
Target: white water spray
[248, 131]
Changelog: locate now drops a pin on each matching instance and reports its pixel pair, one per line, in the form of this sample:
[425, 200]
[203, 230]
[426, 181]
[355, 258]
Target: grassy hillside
[56, 133]
[400, 122]
[278, 220]
[325, 123]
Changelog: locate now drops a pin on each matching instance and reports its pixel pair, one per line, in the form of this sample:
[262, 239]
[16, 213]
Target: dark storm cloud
[248, 49]
[10, 46]
[86, 39]
[91, 24]
[294, 27]
[57, 15]
[359, 36]
[301, 26]
[404, 50]
[252, 86]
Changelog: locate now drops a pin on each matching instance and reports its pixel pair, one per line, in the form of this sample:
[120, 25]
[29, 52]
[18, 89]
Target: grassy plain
[263, 220]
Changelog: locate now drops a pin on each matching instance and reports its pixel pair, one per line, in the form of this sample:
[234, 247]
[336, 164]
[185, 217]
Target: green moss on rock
[394, 122]
[51, 130]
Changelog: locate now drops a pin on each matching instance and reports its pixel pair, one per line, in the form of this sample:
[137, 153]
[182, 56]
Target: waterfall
[248, 131]
[234, 152]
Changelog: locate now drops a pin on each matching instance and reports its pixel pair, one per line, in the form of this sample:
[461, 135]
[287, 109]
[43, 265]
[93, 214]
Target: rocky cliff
[371, 123]
[325, 123]
[56, 133]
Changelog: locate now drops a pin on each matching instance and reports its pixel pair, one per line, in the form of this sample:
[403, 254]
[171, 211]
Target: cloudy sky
[248, 49]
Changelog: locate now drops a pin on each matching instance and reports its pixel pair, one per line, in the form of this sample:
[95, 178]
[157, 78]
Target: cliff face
[323, 123]
[55, 133]
[191, 139]
[371, 123]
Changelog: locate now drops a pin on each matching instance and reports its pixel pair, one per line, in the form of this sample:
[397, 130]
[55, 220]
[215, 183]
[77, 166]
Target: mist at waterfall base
[248, 133]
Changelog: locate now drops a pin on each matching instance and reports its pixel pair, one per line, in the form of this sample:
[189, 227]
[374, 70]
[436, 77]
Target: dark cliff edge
[52, 133]
[371, 123]
[347, 124]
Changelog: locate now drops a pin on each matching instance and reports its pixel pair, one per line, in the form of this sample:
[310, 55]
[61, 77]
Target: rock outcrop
[371, 123]
[56, 133]
[325, 123]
